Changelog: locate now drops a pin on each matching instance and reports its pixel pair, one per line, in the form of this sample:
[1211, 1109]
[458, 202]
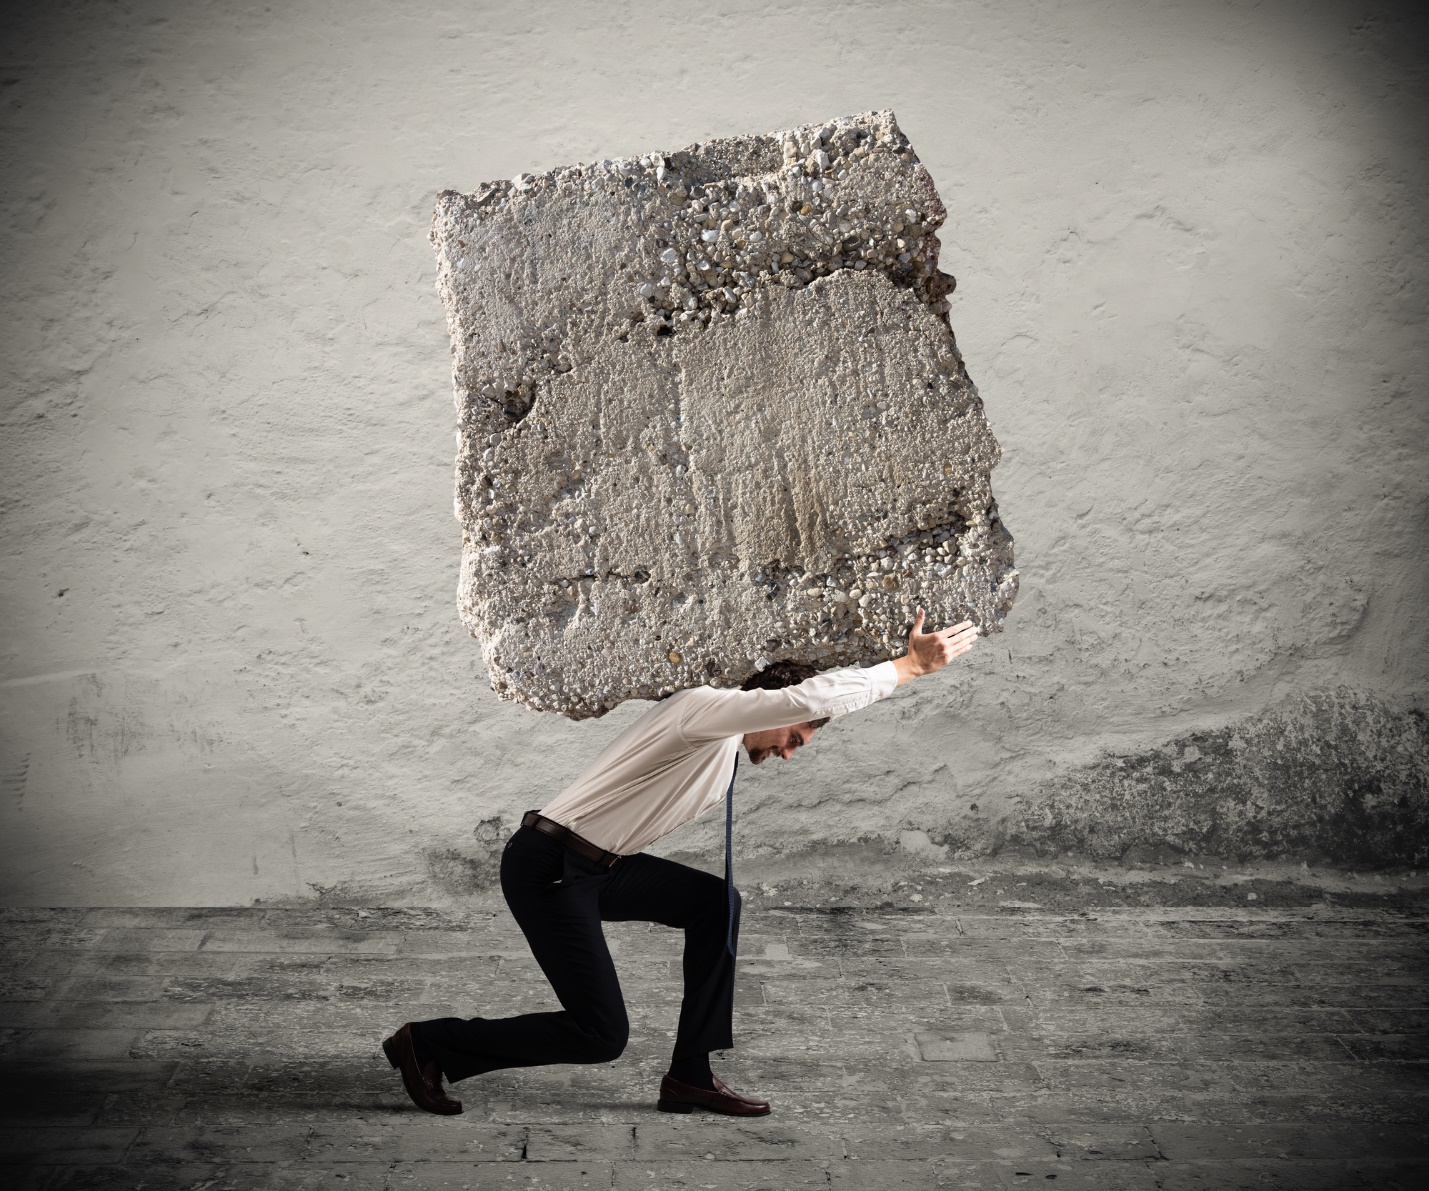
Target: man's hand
[928, 652]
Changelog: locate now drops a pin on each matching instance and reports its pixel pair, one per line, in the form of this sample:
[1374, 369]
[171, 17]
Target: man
[579, 861]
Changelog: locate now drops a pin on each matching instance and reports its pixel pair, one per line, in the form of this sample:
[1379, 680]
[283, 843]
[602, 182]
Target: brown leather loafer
[424, 1083]
[681, 1097]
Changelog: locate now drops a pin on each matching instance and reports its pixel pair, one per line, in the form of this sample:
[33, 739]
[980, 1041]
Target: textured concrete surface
[979, 1028]
[712, 417]
[1189, 244]
[1330, 775]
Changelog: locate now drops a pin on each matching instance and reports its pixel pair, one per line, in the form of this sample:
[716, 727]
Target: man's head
[779, 742]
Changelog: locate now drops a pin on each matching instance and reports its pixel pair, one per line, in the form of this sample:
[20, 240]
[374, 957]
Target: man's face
[777, 742]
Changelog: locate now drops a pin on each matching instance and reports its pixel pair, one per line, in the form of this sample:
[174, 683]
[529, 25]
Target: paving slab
[1296, 1141]
[67, 1045]
[696, 1175]
[103, 1015]
[63, 1145]
[915, 1175]
[964, 1143]
[58, 1109]
[1302, 1176]
[448, 1139]
[533, 1176]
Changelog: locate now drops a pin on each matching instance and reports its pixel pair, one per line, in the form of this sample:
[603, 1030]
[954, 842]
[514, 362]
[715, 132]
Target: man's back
[675, 761]
[648, 780]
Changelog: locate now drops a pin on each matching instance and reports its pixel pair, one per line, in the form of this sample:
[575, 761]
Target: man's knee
[706, 906]
[606, 1042]
[722, 896]
[610, 1045]
[714, 895]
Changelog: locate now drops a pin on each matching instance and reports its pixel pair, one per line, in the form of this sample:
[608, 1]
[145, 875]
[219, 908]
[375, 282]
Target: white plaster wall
[1190, 252]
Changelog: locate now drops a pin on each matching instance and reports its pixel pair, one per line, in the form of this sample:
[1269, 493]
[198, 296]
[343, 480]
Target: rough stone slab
[943, 1046]
[157, 963]
[221, 1143]
[1384, 1046]
[306, 939]
[1080, 1176]
[1332, 1104]
[1382, 1143]
[566, 1143]
[42, 1146]
[62, 1078]
[712, 415]
[239, 1107]
[25, 988]
[1103, 1107]
[92, 1015]
[1339, 1077]
[417, 1140]
[74, 1108]
[962, 1144]
[364, 1074]
[105, 987]
[894, 1175]
[357, 1016]
[145, 939]
[168, 917]
[39, 1178]
[1303, 1176]
[784, 1175]
[67, 1045]
[454, 1176]
[1075, 1140]
[754, 1140]
[258, 1045]
[224, 1176]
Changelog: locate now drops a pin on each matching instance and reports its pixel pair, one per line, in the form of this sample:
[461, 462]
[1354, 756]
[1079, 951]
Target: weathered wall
[1190, 250]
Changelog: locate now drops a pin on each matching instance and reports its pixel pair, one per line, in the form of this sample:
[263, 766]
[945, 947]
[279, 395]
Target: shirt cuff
[884, 678]
[881, 680]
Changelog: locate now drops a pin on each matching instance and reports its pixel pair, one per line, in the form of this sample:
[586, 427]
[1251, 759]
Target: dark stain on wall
[1336, 776]
[472, 869]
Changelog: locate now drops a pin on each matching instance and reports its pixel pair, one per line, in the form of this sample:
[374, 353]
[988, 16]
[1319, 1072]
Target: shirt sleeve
[833, 693]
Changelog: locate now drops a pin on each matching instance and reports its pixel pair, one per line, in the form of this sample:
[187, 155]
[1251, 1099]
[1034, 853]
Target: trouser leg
[555, 898]
[651, 889]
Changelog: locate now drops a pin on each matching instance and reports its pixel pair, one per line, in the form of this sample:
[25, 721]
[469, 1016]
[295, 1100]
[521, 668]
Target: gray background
[1190, 249]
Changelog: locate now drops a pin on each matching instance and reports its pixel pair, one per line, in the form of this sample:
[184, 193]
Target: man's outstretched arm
[928, 652]
[832, 693]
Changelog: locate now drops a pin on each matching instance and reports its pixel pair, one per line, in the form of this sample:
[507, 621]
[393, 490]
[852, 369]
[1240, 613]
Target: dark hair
[778, 675]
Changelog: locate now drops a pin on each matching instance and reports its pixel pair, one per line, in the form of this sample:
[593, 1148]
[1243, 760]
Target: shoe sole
[391, 1052]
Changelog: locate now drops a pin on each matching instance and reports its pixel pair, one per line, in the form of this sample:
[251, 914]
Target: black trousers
[559, 899]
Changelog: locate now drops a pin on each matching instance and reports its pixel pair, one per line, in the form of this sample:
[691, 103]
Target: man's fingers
[942, 644]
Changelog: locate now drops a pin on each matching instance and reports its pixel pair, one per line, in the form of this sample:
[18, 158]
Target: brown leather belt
[565, 835]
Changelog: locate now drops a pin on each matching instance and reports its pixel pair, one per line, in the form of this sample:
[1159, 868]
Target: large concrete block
[712, 415]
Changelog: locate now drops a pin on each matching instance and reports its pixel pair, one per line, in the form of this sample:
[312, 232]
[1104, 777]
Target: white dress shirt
[675, 761]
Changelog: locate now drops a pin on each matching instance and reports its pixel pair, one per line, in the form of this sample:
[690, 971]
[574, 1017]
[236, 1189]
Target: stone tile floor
[1103, 1035]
